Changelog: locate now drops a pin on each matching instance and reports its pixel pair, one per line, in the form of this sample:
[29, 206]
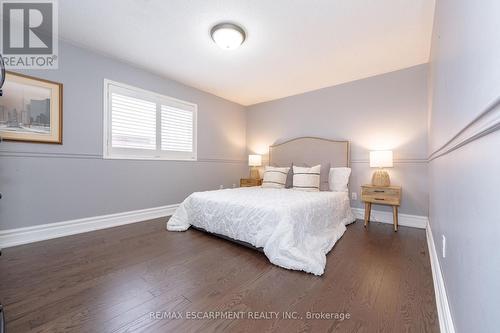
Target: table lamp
[381, 159]
[254, 161]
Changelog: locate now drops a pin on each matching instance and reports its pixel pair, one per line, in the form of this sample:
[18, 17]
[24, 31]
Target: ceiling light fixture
[228, 35]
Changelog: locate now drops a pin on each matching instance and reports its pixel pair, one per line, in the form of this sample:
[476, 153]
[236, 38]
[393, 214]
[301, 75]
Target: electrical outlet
[354, 196]
[234, 185]
[221, 187]
[444, 245]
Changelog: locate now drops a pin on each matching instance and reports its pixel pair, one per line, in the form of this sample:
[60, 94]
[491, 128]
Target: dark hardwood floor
[112, 280]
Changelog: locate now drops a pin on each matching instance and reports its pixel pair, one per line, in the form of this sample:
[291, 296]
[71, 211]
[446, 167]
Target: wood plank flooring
[115, 280]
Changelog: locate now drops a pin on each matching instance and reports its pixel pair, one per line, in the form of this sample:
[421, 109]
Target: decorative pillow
[339, 179]
[323, 175]
[274, 177]
[289, 177]
[306, 179]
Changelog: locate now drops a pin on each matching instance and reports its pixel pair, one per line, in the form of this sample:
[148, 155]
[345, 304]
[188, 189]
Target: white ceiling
[292, 46]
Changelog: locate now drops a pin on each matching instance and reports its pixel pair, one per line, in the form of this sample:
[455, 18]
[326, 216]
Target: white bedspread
[296, 229]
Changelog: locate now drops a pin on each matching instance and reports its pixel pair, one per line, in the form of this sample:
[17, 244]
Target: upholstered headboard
[310, 151]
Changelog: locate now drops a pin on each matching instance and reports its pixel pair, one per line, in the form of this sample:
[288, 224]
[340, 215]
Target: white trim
[395, 161]
[116, 156]
[415, 221]
[487, 122]
[13, 237]
[145, 154]
[18, 236]
[30, 154]
[105, 118]
[443, 308]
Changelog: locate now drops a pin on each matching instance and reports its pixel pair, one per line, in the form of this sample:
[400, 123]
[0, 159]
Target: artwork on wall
[31, 109]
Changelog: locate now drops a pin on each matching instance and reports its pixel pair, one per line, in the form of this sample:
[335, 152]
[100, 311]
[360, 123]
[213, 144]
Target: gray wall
[50, 183]
[464, 184]
[387, 111]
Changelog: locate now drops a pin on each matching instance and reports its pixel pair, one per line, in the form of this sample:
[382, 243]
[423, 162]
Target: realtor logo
[29, 34]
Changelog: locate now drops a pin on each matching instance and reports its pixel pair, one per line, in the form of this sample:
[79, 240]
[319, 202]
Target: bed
[294, 229]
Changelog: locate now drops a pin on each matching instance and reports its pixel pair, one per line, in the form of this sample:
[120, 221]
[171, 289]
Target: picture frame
[31, 109]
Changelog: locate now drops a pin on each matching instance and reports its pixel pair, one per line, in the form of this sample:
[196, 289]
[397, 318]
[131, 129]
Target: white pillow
[338, 179]
[274, 177]
[306, 179]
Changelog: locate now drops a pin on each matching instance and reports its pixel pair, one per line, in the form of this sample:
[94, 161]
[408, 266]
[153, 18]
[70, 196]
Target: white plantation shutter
[145, 125]
[176, 129]
[133, 122]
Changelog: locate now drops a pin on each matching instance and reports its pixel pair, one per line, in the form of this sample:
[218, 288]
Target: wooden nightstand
[248, 182]
[390, 195]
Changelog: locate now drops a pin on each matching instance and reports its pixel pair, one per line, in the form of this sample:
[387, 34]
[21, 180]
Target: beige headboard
[310, 151]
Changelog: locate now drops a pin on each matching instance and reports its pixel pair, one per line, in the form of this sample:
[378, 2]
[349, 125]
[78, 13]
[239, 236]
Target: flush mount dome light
[228, 35]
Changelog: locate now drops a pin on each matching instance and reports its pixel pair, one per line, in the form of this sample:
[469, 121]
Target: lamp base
[381, 178]
[254, 173]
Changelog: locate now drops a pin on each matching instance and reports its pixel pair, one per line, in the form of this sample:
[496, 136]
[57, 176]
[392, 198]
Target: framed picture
[31, 109]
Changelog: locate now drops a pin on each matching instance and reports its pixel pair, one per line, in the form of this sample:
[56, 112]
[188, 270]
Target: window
[140, 124]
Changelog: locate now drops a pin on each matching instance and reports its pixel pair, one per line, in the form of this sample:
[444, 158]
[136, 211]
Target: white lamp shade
[381, 159]
[254, 160]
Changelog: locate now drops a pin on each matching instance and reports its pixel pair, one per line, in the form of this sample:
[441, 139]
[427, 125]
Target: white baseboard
[415, 221]
[19, 236]
[443, 308]
[13, 237]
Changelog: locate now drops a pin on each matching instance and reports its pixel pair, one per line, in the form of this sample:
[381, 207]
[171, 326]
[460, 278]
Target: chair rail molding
[32, 154]
[485, 123]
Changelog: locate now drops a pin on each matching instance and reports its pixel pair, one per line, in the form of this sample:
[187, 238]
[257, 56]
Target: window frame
[145, 154]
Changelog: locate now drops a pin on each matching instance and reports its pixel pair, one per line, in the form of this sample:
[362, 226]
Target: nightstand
[248, 182]
[390, 195]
